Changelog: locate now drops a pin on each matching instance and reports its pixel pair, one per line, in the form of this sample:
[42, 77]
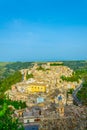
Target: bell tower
[60, 106]
[61, 109]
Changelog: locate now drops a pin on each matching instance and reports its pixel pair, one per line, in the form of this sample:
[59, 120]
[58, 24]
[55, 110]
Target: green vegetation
[9, 68]
[15, 104]
[81, 73]
[3, 69]
[7, 122]
[56, 64]
[2, 64]
[76, 65]
[3, 110]
[82, 94]
[19, 65]
[78, 74]
[28, 76]
[41, 63]
[70, 91]
[9, 76]
[41, 68]
[72, 78]
[6, 83]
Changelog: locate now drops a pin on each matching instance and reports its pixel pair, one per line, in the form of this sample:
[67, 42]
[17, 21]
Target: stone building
[36, 88]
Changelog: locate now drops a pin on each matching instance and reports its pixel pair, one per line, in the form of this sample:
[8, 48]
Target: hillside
[80, 68]
[8, 68]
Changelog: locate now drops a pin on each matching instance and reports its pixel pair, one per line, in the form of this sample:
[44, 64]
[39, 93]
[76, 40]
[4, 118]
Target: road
[77, 101]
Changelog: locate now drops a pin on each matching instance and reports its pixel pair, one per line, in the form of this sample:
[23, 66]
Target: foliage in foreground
[7, 121]
[15, 104]
[5, 85]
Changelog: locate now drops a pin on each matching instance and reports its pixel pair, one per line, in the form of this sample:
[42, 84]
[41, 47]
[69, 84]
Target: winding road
[77, 101]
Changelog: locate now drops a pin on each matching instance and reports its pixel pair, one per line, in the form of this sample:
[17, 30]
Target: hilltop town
[46, 81]
[48, 98]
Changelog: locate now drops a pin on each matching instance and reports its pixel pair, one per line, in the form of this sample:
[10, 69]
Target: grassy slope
[8, 68]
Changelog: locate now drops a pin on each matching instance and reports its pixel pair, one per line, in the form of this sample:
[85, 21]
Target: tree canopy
[7, 121]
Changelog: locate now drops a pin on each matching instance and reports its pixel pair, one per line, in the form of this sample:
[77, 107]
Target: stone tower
[60, 106]
[25, 73]
[61, 109]
[70, 99]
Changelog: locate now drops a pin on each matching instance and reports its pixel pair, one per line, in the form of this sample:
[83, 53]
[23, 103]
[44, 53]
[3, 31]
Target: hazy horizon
[41, 61]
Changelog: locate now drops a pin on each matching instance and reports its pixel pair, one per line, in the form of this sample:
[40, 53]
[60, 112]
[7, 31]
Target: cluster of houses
[45, 94]
[43, 84]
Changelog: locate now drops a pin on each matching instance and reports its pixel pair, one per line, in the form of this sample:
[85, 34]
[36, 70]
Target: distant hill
[8, 68]
[76, 65]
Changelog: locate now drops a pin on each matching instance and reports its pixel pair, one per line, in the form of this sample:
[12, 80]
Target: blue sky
[37, 30]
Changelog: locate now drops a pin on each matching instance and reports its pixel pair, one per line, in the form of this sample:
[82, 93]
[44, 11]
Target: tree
[8, 121]
[9, 81]
[28, 76]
